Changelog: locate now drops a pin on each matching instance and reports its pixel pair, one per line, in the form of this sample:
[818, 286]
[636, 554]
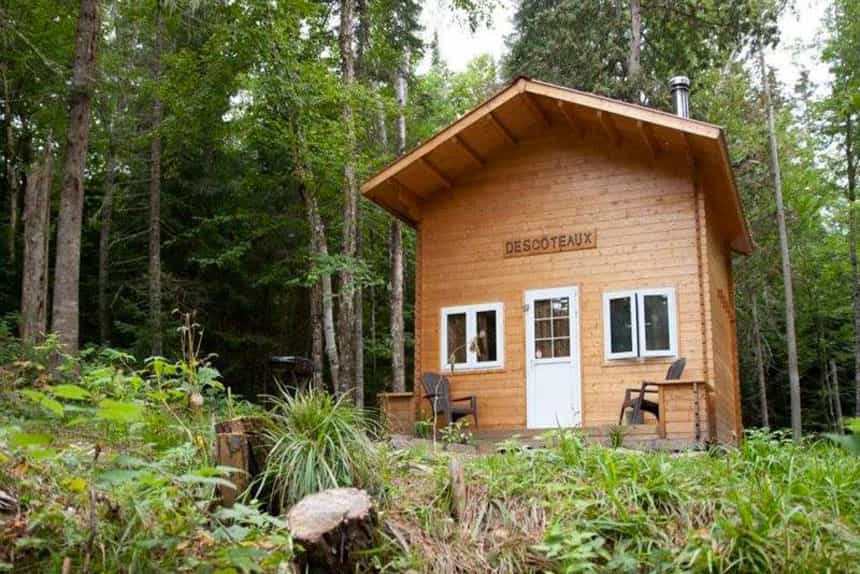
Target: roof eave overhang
[407, 211]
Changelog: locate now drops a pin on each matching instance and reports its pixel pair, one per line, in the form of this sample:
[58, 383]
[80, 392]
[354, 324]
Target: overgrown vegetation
[769, 506]
[317, 442]
[111, 470]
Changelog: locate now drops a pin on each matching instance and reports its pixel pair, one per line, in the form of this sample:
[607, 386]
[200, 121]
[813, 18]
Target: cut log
[239, 444]
[332, 526]
[458, 488]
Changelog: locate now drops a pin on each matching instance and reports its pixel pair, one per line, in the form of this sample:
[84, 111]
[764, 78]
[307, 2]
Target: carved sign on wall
[551, 243]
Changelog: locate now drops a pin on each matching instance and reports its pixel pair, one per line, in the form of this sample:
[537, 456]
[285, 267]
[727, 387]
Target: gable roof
[524, 105]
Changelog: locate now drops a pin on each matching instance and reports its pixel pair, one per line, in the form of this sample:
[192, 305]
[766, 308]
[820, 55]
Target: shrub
[316, 442]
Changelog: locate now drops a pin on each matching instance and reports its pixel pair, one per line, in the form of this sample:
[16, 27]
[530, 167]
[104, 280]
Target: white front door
[552, 358]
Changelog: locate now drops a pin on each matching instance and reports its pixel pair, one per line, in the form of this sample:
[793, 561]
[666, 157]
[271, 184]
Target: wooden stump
[238, 443]
[331, 526]
[458, 489]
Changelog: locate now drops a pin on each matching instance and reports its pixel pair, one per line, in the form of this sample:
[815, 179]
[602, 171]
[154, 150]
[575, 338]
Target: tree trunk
[633, 59]
[346, 316]
[104, 242]
[793, 374]
[317, 334]
[759, 364]
[155, 193]
[358, 340]
[11, 171]
[64, 320]
[37, 214]
[837, 399]
[852, 247]
[319, 246]
[398, 367]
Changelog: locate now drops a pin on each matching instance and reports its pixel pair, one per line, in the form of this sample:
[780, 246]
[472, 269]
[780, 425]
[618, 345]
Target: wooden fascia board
[744, 243]
[632, 111]
[472, 117]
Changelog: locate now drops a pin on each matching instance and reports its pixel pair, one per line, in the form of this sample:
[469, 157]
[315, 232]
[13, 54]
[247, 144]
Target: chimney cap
[679, 82]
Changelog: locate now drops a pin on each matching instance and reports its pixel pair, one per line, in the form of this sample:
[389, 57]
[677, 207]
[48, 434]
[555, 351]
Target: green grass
[769, 506]
[316, 442]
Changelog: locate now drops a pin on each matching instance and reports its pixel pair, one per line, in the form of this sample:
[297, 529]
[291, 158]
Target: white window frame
[607, 325]
[669, 293]
[471, 312]
[637, 324]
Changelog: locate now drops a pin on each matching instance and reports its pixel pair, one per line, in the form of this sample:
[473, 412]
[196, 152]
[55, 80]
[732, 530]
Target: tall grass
[771, 505]
[317, 442]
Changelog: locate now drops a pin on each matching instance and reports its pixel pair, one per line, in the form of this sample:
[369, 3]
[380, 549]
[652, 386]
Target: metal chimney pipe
[680, 88]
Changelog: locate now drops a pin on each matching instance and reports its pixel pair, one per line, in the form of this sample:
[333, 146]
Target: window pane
[561, 347]
[560, 307]
[456, 338]
[543, 328]
[542, 308]
[561, 327]
[656, 309]
[621, 331]
[543, 349]
[487, 336]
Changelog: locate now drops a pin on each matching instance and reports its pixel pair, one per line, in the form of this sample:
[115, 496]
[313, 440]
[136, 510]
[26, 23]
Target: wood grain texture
[644, 211]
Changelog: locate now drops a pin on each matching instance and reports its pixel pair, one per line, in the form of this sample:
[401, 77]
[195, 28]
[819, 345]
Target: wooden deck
[640, 437]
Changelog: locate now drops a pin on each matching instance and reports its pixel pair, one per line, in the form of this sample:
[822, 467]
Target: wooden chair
[640, 403]
[437, 390]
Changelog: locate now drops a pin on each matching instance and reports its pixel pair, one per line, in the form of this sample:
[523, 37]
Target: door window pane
[656, 308]
[543, 328]
[552, 328]
[561, 327]
[542, 308]
[456, 338]
[543, 349]
[621, 328]
[486, 336]
[561, 347]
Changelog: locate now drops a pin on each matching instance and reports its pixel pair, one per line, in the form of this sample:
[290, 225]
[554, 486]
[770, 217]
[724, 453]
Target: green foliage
[456, 433]
[771, 505]
[316, 442]
[95, 439]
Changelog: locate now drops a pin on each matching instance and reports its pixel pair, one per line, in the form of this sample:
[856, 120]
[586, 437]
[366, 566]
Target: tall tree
[155, 189]
[105, 228]
[11, 169]
[790, 335]
[634, 65]
[759, 362]
[842, 53]
[346, 309]
[398, 373]
[34, 284]
[64, 319]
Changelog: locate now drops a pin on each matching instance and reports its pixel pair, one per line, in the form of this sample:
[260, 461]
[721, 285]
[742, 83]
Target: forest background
[205, 156]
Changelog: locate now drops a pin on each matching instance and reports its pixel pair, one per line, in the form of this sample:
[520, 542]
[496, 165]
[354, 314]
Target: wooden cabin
[571, 246]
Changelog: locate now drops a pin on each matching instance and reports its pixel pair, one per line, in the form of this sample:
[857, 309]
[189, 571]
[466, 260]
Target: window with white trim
[640, 323]
[472, 337]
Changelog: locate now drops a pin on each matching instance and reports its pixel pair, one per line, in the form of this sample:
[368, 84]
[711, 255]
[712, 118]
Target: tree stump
[458, 489]
[331, 526]
[239, 444]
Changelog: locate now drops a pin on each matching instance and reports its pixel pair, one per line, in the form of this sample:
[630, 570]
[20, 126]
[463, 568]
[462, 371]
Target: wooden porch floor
[641, 437]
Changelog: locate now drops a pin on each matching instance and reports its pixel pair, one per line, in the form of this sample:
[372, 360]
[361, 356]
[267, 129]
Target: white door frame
[571, 291]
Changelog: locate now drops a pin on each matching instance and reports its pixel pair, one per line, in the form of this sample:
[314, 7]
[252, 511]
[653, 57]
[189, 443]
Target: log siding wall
[644, 212]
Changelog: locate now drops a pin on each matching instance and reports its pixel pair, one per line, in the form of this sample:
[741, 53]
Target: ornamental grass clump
[316, 442]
